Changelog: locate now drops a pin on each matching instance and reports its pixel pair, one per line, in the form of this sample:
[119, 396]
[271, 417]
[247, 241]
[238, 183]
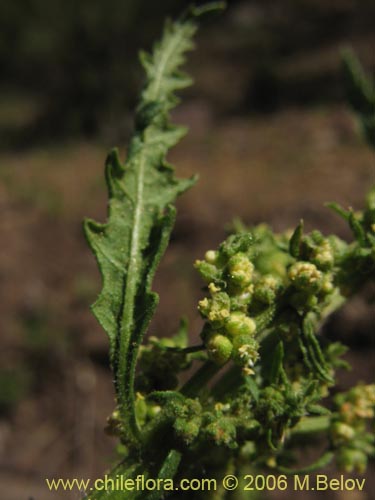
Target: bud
[114, 426]
[266, 289]
[327, 284]
[240, 270]
[322, 255]
[222, 431]
[341, 431]
[210, 256]
[217, 309]
[240, 301]
[305, 276]
[219, 348]
[239, 324]
[352, 460]
[153, 410]
[208, 271]
[213, 288]
[141, 409]
[187, 430]
[204, 306]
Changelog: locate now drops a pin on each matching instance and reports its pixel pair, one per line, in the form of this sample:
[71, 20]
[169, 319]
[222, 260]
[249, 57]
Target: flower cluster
[230, 328]
[245, 290]
[349, 429]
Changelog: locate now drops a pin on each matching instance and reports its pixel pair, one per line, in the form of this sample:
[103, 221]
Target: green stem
[186, 350]
[312, 425]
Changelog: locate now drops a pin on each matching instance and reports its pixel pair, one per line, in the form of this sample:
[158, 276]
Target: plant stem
[311, 425]
[186, 350]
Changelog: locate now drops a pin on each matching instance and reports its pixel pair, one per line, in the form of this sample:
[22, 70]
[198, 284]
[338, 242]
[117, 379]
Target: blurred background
[271, 137]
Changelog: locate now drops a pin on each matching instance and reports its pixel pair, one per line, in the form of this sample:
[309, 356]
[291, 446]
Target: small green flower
[239, 324]
[211, 256]
[305, 276]
[327, 284]
[208, 271]
[216, 309]
[342, 432]
[245, 352]
[141, 409]
[322, 255]
[351, 460]
[240, 270]
[219, 348]
[240, 301]
[266, 289]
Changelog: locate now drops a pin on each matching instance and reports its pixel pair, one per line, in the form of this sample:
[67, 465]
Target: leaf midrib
[126, 393]
[127, 321]
[163, 63]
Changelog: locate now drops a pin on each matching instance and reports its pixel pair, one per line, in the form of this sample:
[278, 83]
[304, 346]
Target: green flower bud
[187, 430]
[352, 460]
[240, 301]
[213, 288]
[342, 432]
[266, 289]
[358, 403]
[217, 309]
[208, 271]
[240, 270]
[219, 348]
[153, 410]
[211, 256]
[204, 306]
[323, 256]
[140, 408]
[222, 431]
[239, 324]
[327, 284]
[305, 276]
[114, 425]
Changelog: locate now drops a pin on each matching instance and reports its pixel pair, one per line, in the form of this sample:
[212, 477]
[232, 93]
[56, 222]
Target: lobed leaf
[129, 246]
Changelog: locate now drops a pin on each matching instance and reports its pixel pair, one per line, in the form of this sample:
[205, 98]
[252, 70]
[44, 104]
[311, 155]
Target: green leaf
[119, 475]
[357, 229]
[345, 214]
[277, 369]
[295, 240]
[129, 246]
[313, 352]
[129, 472]
[167, 471]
